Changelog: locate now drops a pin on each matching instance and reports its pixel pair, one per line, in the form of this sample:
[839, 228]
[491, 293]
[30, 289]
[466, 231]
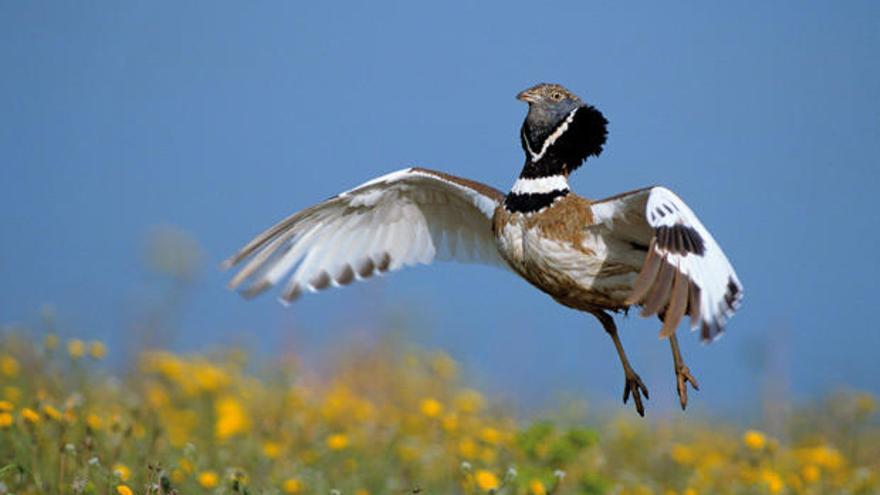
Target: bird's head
[560, 130]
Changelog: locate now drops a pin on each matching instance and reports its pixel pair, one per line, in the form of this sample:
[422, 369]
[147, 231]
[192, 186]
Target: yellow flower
[6, 406]
[50, 341]
[97, 350]
[486, 480]
[6, 420]
[232, 418]
[467, 448]
[431, 407]
[754, 439]
[122, 471]
[537, 488]
[94, 421]
[30, 415]
[271, 449]
[811, 473]
[336, 402]
[682, 454]
[163, 363]
[70, 416]
[208, 479]
[291, 486]
[361, 491]
[209, 377]
[772, 480]
[689, 491]
[156, 396]
[490, 435]
[123, 490]
[450, 422]
[178, 475]
[337, 441]
[8, 365]
[76, 348]
[52, 413]
[826, 457]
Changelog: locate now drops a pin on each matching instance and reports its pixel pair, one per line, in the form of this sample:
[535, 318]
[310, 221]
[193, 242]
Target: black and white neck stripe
[529, 194]
[553, 151]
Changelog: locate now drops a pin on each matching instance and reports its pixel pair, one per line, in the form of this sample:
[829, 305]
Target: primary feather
[412, 216]
[685, 272]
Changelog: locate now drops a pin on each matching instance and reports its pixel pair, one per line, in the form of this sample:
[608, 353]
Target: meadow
[386, 419]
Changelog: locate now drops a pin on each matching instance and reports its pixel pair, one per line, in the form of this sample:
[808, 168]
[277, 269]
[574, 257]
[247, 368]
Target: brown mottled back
[565, 220]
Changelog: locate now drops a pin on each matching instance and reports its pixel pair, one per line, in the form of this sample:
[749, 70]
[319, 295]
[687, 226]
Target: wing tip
[255, 289]
[229, 262]
[290, 294]
[320, 281]
[384, 263]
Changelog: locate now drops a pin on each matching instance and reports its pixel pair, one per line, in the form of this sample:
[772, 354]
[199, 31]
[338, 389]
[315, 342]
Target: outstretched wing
[407, 217]
[684, 272]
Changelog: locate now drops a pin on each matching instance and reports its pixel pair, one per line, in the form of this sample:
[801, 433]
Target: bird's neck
[552, 153]
[536, 188]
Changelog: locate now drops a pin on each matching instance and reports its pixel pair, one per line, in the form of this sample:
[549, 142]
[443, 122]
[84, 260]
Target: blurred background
[143, 142]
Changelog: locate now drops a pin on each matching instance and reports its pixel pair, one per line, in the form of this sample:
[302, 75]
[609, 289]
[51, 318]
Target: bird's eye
[556, 95]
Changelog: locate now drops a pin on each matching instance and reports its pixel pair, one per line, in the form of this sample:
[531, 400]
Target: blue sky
[219, 118]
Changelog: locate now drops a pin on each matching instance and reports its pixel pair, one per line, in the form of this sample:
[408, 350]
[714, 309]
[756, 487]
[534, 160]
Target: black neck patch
[584, 136]
[532, 202]
[547, 166]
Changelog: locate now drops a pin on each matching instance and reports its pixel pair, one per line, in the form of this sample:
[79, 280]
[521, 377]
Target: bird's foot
[683, 376]
[635, 387]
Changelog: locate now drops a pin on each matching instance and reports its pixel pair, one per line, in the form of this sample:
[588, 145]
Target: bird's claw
[635, 387]
[683, 377]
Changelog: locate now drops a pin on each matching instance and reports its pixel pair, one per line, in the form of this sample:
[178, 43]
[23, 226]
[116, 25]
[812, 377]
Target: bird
[643, 248]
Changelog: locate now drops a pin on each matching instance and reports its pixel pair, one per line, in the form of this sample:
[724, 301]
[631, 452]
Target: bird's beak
[527, 96]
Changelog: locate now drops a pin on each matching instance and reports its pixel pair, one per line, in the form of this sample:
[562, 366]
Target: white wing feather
[679, 246]
[412, 216]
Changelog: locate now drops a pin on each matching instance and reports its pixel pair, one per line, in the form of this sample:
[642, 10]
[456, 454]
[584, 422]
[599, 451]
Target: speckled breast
[560, 251]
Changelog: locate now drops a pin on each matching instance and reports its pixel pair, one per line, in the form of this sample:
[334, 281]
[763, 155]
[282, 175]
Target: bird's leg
[682, 373]
[633, 383]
